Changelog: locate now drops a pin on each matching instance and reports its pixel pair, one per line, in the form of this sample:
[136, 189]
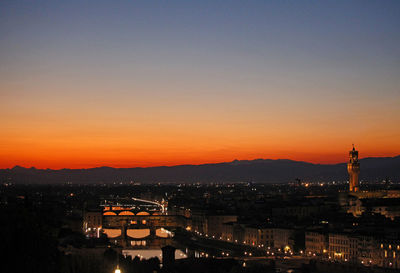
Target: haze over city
[140, 83]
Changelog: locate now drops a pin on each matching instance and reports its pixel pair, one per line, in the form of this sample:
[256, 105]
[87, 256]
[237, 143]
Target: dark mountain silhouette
[259, 170]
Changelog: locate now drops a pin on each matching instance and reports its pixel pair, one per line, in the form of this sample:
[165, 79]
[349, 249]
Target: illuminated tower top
[353, 167]
[353, 156]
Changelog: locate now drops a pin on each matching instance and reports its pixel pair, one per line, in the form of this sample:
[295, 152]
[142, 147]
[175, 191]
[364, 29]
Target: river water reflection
[139, 243]
[150, 253]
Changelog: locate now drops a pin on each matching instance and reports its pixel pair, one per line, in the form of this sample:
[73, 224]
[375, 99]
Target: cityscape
[300, 226]
[212, 136]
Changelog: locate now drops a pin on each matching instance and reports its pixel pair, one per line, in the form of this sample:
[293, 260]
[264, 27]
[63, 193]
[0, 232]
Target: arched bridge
[139, 223]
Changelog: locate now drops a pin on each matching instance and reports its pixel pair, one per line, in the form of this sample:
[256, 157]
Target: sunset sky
[147, 83]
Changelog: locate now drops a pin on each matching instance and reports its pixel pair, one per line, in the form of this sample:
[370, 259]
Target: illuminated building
[388, 254]
[316, 243]
[215, 224]
[92, 223]
[257, 235]
[340, 247]
[227, 231]
[353, 167]
[283, 237]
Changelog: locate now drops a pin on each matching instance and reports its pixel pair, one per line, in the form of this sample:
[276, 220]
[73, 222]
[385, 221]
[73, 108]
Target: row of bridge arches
[137, 233]
[130, 213]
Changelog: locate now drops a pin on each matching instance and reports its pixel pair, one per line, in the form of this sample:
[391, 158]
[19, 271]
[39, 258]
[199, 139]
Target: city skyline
[141, 84]
[200, 136]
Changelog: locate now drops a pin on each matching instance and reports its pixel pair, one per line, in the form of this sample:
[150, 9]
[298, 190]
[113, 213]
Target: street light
[117, 270]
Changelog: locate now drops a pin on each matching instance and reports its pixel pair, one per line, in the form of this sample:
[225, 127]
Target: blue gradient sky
[142, 83]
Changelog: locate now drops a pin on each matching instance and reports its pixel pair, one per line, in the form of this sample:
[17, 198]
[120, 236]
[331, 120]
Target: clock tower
[353, 167]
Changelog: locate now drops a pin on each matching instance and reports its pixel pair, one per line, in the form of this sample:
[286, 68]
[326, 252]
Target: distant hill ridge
[258, 171]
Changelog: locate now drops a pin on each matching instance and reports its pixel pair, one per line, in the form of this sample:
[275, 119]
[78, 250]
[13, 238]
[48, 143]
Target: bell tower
[353, 167]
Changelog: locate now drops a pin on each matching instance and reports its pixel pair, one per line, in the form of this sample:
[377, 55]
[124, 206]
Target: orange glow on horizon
[165, 128]
[187, 133]
[119, 144]
[92, 160]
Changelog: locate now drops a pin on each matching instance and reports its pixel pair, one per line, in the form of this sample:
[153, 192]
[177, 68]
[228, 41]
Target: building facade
[316, 243]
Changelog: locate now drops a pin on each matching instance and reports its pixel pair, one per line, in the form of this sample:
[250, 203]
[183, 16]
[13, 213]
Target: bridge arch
[112, 233]
[142, 213]
[138, 233]
[109, 213]
[126, 212]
